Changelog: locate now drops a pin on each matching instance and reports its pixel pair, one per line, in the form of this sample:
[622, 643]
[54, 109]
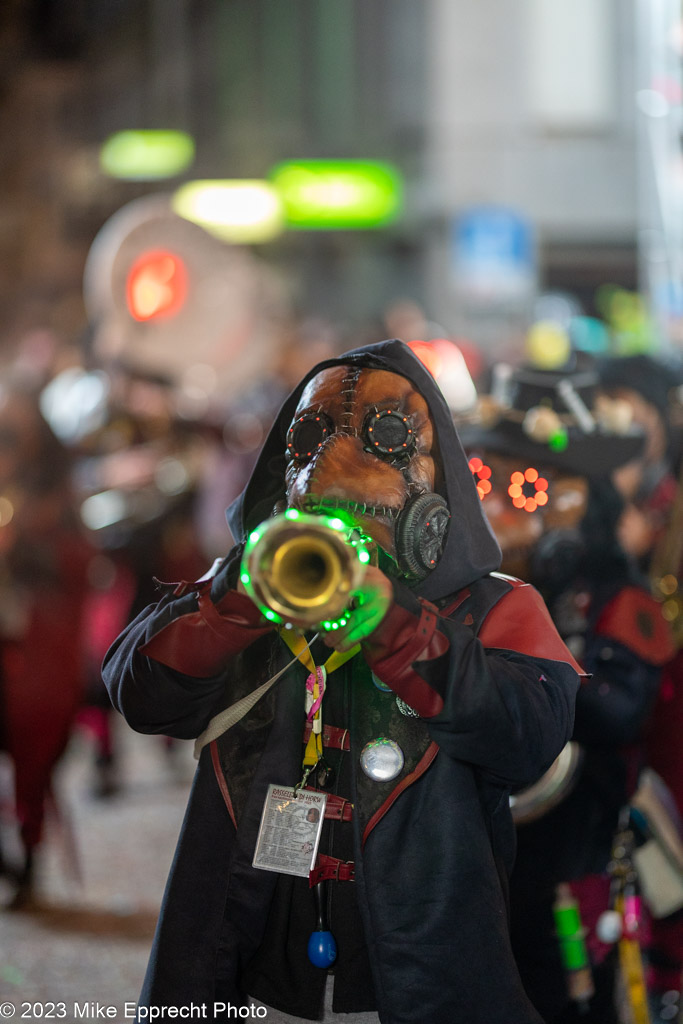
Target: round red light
[156, 285]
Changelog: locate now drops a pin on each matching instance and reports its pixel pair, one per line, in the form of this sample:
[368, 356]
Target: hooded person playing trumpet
[408, 719]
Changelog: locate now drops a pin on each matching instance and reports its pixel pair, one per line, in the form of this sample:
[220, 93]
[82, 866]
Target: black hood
[471, 550]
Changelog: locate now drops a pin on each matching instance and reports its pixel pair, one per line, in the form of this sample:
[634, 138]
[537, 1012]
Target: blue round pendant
[322, 949]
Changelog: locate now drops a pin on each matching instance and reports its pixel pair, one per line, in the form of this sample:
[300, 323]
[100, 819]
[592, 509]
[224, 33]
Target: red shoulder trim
[201, 643]
[512, 580]
[633, 618]
[220, 779]
[521, 622]
[455, 603]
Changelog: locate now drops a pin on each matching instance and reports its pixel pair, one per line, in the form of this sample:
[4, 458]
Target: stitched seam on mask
[328, 443]
[317, 503]
[415, 490]
[348, 390]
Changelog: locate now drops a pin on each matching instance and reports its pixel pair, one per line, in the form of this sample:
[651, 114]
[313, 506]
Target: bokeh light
[240, 211]
[147, 155]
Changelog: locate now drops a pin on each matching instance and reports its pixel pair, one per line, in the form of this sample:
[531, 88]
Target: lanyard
[301, 649]
[315, 688]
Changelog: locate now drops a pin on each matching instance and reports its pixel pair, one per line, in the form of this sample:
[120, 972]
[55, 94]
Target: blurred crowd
[111, 480]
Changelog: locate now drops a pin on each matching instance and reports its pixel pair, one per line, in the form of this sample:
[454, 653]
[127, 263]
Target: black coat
[624, 642]
[494, 688]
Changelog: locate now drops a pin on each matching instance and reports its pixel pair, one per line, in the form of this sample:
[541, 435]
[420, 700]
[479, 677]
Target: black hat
[554, 417]
[652, 378]
[657, 381]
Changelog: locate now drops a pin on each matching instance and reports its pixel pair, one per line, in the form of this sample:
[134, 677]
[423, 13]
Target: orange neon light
[482, 473]
[529, 502]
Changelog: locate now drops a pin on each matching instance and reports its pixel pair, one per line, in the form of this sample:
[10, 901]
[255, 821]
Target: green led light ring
[295, 523]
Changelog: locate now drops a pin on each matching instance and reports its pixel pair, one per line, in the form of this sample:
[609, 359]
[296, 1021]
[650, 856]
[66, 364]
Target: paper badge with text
[289, 834]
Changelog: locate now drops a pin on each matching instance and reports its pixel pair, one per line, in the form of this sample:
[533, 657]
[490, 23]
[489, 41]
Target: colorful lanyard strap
[315, 688]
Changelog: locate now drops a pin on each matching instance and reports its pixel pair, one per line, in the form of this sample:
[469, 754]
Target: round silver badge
[382, 759]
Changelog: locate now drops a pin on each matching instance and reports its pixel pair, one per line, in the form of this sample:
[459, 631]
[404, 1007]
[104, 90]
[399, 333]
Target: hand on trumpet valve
[366, 610]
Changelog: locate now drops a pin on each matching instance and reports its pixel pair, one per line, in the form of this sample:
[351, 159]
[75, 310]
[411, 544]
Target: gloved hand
[370, 604]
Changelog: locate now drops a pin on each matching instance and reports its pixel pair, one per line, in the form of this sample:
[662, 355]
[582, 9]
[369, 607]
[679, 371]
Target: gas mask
[362, 442]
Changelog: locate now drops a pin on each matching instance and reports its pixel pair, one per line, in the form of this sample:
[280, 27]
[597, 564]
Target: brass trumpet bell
[302, 569]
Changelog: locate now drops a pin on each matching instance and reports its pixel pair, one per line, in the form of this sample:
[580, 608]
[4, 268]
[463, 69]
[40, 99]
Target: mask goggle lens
[388, 434]
[306, 435]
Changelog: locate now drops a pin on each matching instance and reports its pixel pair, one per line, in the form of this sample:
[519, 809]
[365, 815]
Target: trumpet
[302, 569]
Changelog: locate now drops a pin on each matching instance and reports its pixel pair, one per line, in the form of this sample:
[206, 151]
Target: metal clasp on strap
[331, 869]
[333, 736]
[337, 808]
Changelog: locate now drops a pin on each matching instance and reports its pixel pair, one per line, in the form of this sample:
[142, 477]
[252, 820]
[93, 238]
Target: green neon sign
[146, 155]
[338, 194]
[236, 210]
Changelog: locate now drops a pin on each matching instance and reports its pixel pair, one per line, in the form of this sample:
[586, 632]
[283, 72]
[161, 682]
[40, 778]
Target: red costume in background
[44, 559]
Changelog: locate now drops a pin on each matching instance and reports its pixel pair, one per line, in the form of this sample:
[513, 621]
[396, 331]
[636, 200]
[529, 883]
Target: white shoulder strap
[225, 719]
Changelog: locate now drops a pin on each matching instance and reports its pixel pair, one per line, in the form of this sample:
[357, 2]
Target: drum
[552, 787]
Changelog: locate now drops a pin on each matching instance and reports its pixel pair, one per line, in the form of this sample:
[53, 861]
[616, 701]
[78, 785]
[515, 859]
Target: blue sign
[493, 252]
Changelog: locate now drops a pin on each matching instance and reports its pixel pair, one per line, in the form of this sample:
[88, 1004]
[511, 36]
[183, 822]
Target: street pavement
[103, 865]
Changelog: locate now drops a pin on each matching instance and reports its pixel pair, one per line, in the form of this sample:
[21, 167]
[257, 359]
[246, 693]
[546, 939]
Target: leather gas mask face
[362, 441]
